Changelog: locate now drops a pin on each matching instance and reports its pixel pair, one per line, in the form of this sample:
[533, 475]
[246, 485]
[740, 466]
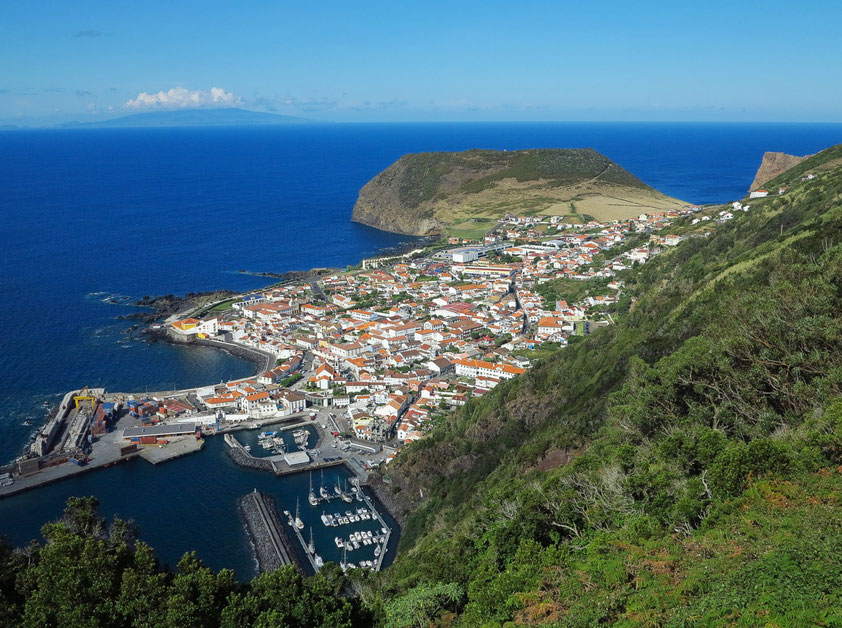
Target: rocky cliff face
[772, 165]
[426, 193]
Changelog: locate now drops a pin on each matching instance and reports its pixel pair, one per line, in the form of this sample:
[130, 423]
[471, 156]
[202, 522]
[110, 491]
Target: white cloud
[181, 98]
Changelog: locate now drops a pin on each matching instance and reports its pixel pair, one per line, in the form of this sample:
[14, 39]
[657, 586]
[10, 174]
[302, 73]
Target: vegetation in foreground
[682, 467]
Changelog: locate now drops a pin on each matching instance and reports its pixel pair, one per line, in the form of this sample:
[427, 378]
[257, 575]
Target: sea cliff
[772, 165]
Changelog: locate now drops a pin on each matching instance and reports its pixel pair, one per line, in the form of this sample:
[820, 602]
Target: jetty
[268, 540]
[309, 549]
[378, 563]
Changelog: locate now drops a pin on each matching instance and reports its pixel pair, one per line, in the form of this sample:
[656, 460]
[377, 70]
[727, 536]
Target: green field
[474, 228]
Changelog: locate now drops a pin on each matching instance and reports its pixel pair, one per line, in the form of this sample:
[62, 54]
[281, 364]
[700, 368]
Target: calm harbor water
[190, 504]
[93, 217]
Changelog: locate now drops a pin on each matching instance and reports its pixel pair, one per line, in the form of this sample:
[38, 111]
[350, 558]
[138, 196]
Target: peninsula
[467, 193]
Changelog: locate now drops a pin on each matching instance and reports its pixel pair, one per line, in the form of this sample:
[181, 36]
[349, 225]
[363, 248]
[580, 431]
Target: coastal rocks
[167, 305]
[394, 502]
[243, 460]
[774, 164]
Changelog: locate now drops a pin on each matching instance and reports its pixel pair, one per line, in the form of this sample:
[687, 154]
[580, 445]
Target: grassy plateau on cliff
[435, 192]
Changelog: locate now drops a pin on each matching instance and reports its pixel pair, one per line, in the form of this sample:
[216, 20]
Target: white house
[258, 405]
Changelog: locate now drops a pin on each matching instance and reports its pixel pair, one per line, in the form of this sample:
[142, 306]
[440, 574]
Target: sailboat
[344, 563]
[312, 496]
[346, 497]
[310, 546]
[298, 523]
[322, 490]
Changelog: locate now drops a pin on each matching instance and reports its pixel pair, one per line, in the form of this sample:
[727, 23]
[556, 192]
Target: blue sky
[413, 61]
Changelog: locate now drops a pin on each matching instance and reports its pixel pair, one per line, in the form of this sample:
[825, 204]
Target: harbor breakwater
[242, 459]
[272, 546]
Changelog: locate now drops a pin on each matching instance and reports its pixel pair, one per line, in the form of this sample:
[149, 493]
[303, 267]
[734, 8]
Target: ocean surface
[96, 219]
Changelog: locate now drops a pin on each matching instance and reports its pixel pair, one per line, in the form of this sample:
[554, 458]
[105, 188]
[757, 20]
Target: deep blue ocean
[91, 216]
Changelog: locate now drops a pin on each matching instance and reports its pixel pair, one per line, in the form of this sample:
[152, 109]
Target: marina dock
[278, 463]
[312, 557]
[378, 563]
[379, 540]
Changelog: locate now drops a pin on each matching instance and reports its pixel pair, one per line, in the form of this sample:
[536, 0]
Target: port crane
[85, 395]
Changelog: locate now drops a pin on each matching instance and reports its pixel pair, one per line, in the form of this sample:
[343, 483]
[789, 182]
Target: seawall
[267, 536]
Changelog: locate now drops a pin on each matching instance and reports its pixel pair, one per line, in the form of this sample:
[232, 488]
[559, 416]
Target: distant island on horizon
[178, 118]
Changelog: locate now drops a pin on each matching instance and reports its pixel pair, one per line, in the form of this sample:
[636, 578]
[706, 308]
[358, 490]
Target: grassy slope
[724, 369]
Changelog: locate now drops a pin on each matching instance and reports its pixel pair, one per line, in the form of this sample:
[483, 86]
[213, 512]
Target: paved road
[317, 289]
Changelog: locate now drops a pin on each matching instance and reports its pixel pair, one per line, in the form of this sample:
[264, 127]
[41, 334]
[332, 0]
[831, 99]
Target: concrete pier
[172, 450]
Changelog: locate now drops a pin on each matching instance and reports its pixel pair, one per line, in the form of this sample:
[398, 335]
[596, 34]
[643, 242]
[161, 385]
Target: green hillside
[680, 468]
[638, 444]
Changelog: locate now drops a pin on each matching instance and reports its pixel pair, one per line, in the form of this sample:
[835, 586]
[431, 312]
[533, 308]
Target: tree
[421, 604]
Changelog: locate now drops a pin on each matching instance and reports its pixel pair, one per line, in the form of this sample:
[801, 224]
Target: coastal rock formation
[428, 193]
[772, 165]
